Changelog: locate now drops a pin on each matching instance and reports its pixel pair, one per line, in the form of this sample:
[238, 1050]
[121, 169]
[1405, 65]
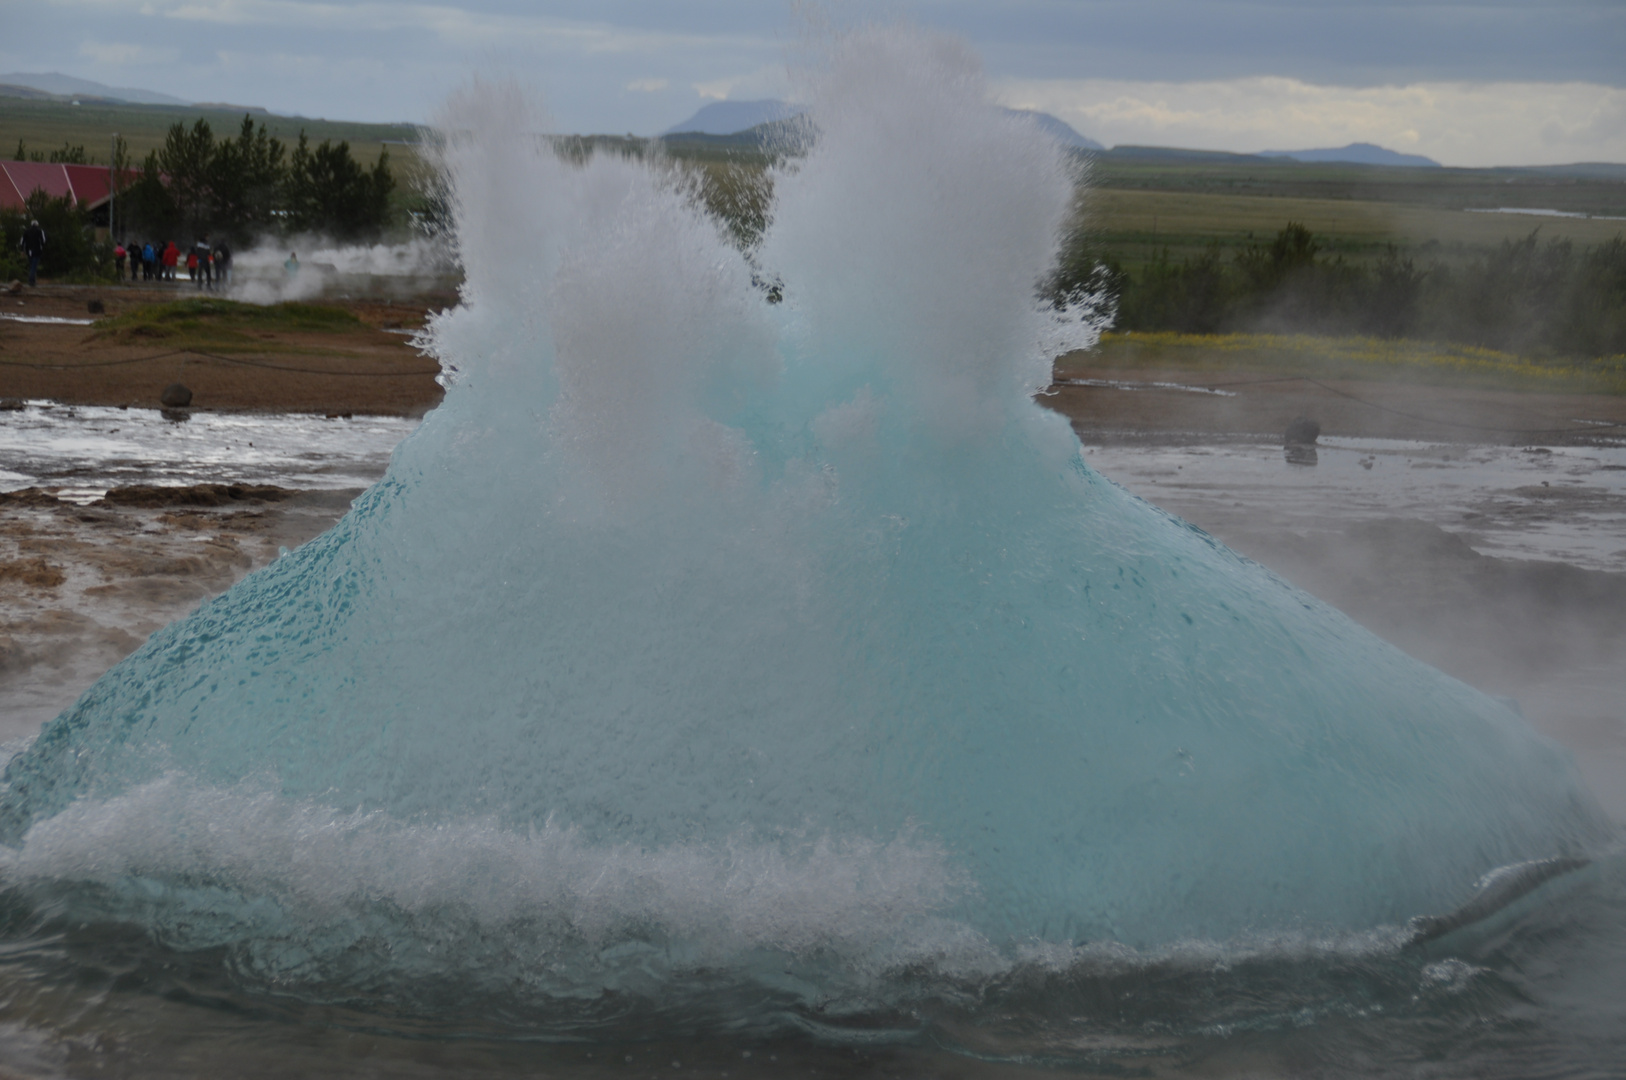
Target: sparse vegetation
[1352, 357]
[1525, 297]
[224, 325]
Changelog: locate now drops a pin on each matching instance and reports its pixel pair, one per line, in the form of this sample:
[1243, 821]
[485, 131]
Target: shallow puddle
[1561, 504]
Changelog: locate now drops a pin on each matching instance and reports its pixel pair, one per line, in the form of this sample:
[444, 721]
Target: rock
[35, 573]
[15, 288]
[29, 496]
[153, 495]
[95, 307]
[175, 396]
[12, 404]
[1302, 432]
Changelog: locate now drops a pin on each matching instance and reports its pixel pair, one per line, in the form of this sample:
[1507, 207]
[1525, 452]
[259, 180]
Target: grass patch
[1367, 358]
[223, 324]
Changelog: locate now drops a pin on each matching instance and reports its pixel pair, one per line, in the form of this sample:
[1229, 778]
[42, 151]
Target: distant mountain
[732, 117]
[1360, 153]
[1059, 130]
[68, 86]
[725, 118]
[792, 135]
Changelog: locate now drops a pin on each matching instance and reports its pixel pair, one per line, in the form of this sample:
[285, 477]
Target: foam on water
[783, 644]
[81, 451]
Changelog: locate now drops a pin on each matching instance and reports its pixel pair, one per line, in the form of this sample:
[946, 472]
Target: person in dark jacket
[201, 252]
[33, 245]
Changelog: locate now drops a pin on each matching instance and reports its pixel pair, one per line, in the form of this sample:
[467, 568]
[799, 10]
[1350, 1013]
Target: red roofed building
[86, 186]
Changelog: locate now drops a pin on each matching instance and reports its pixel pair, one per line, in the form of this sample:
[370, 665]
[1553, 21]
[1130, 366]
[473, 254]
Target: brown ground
[1266, 402]
[372, 371]
[379, 372]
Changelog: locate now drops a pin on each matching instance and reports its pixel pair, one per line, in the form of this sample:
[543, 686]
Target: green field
[1134, 224]
[1584, 189]
[46, 125]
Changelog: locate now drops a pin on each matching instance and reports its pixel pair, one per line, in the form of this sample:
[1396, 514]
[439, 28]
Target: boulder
[1302, 432]
[175, 396]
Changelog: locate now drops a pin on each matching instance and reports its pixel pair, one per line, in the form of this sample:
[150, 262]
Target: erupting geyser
[699, 642]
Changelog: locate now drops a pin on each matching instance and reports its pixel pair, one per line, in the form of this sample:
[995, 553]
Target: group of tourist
[205, 263]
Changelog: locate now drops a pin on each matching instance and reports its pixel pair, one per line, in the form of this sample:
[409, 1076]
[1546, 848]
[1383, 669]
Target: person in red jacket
[172, 255]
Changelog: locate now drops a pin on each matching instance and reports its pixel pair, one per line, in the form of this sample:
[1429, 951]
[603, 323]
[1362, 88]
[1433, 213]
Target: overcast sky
[1474, 82]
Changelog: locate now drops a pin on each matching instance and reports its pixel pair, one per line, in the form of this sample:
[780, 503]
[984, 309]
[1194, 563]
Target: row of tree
[235, 189]
[243, 187]
[65, 155]
[1524, 296]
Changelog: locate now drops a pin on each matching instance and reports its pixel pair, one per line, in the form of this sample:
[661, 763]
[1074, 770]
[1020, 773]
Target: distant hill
[1357, 154]
[792, 135]
[1059, 130]
[69, 86]
[1173, 155]
[733, 117]
[741, 118]
[1581, 170]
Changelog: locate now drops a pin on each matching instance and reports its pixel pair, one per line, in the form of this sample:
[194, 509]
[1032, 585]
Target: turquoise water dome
[694, 631]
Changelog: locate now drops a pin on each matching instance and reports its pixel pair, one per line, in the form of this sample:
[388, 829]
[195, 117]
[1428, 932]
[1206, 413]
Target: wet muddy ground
[81, 586]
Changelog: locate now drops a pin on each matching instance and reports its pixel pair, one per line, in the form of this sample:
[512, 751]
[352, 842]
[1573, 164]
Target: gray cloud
[640, 65]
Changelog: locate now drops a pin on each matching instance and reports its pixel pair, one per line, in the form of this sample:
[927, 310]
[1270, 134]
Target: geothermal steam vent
[693, 630]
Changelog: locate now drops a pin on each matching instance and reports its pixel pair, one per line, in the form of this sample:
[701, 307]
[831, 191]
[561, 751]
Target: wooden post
[112, 184]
